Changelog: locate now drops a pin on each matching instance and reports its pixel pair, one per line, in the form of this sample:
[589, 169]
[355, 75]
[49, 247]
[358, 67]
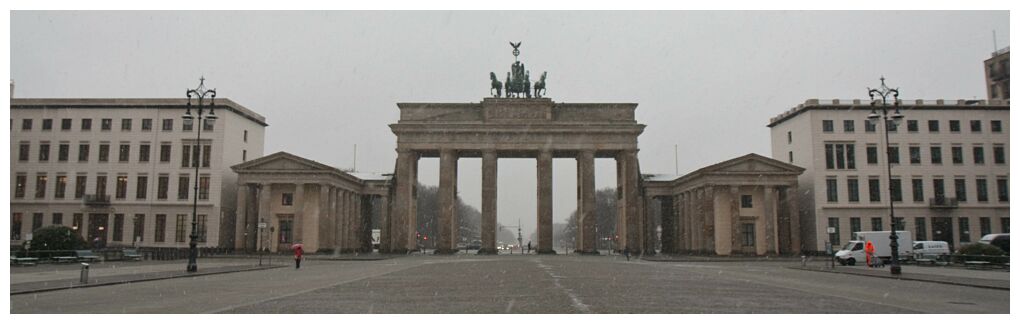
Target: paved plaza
[508, 284]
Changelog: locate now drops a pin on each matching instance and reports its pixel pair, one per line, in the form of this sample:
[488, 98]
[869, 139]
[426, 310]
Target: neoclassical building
[284, 199]
[739, 206]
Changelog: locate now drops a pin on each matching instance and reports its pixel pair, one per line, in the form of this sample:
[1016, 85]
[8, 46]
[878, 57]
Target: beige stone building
[123, 170]
[997, 75]
[950, 168]
[302, 201]
[741, 206]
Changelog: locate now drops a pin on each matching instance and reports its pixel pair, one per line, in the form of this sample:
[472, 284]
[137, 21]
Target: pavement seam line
[575, 301]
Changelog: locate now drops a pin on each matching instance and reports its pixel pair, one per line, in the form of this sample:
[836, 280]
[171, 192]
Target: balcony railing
[999, 74]
[943, 202]
[96, 200]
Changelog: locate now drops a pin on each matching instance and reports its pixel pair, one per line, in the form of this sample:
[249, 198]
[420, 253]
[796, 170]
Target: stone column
[621, 203]
[447, 202]
[265, 215]
[649, 237]
[794, 210]
[586, 182]
[632, 199]
[323, 224]
[352, 221]
[341, 217]
[242, 226]
[709, 207]
[403, 220]
[299, 212]
[771, 235]
[735, 239]
[490, 165]
[545, 203]
[668, 224]
[385, 231]
[359, 223]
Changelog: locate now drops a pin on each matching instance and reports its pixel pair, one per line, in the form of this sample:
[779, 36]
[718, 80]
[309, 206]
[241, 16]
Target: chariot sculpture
[518, 80]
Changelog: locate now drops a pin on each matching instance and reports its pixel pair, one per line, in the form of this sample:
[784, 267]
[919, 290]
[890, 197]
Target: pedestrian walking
[626, 252]
[529, 247]
[299, 253]
[869, 252]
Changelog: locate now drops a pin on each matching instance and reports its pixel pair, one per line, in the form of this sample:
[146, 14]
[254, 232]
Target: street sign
[831, 230]
[262, 225]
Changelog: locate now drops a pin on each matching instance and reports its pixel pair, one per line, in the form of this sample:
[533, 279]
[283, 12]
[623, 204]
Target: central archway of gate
[515, 128]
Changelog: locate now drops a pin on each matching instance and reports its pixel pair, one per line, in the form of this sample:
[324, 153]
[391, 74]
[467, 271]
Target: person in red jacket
[869, 252]
[299, 251]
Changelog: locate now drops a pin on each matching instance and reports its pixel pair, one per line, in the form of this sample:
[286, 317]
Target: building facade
[123, 170]
[950, 169]
[997, 75]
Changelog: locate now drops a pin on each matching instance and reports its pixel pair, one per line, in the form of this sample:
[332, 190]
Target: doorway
[942, 230]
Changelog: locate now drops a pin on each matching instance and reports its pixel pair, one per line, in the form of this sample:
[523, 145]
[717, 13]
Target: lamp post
[200, 93]
[884, 92]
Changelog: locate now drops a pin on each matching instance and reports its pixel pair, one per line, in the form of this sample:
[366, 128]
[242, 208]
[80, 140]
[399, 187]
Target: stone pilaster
[447, 239]
[735, 239]
[545, 203]
[490, 168]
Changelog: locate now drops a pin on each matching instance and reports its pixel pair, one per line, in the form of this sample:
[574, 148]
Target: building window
[138, 234]
[83, 152]
[975, 126]
[101, 186]
[855, 225]
[162, 186]
[187, 126]
[125, 153]
[896, 189]
[982, 189]
[746, 201]
[164, 153]
[936, 155]
[77, 222]
[915, 154]
[208, 125]
[105, 124]
[894, 154]
[118, 227]
[874, 190]
[876, 223]
[940, 188]
[933, 126]
[920, 229]
[146, 124]
[986, 225]
[999, 154]
[747, 233]
[58, 219]
[961, 189]
[141, 189]
[203, 188]
[789, 137]
[246, 136]
[79, 186]
[1005, 224]
[954, 126]
[996, 126]
[121, 187]
[104, 152]
[65, 124]
[899, 224]
[827, 126]
[160, 233]
[869, 127]
[1003, 186]
[168, 125]
[182, 187]
[23, 151]
[244, 156]
[185, 156]
[37, 221]
[852, 190]
[61, 187]
[912, 126]
[44, 152]
[40, 186]
[834, 237]
[979, 155]
[872, 153]
[63, 151]
[288, 199]
[892, 126]
[125, 125]
[964, 230]
[848, 126]
[19, 186]
[830, 190]
[918, 189]
[200, 228]
[957, 155]
[16, 226]
[179, 234]
[86, 124]
[286, 229]
[206, 155]
[790, 153]
[47, 124]
[840, 156]
[26, 124]
[143, 153]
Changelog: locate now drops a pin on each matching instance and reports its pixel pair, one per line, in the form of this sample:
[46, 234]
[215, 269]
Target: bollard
[84, 273]
[803, 261]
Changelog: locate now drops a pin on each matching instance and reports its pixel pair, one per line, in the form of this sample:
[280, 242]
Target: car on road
[931, 251]
[1000, 240]
[474, 245]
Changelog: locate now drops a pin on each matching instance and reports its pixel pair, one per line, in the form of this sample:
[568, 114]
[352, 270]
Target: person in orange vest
[869, 250]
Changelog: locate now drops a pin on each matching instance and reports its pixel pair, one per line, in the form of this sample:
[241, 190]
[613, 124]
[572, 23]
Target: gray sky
[705, 81]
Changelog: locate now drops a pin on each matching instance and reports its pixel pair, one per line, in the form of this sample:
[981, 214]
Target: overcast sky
[705, 81]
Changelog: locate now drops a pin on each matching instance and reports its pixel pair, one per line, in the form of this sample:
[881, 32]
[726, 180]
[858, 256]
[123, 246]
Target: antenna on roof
[355, 167]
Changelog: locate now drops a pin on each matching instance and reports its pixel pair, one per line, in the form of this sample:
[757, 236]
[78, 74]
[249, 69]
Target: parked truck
[853, 251]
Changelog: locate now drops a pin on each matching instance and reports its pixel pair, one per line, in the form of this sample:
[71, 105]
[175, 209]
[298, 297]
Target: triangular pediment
[282, 161]
[753, 163]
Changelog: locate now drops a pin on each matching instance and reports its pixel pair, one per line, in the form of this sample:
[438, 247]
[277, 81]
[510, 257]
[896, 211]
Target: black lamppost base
[895, 269]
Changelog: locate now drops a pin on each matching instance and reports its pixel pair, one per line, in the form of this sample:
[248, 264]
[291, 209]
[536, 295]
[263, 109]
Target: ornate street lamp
[896, 117]
[200, 93]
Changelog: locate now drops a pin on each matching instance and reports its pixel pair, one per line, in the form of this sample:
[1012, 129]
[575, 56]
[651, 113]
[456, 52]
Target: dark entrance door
[942, 230]
[98, 228]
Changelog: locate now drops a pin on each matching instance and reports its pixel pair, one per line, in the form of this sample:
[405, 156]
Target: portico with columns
[742, 206]
[303, 201]
[499, 128]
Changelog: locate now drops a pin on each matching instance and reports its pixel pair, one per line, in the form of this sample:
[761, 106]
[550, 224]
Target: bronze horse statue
[540, 86]
[496, 85]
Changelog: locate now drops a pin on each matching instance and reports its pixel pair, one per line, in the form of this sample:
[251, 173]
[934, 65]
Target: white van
[931, 251]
